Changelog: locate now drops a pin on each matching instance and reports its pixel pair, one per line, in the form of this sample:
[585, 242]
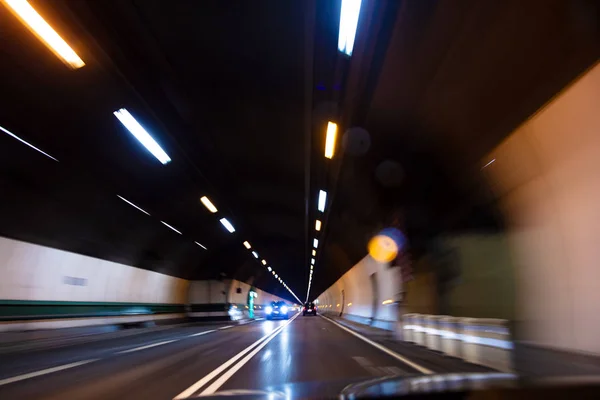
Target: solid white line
[223, 378]
[382, 348]
[44, 372]
[145, 347]
[202, 333]
[198, 385]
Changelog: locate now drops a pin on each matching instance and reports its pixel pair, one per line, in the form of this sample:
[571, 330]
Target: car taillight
[303, 308]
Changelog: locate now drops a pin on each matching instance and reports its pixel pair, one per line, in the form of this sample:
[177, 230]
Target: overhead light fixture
[141, 135]
[330, 139]
[34, 21]
[315, 243]
[322, 200]
[255, 254]
[227, 225]
[264, 262]
[314, 252]
[208, 204]
[200, 245]
[273, 272]
[348, 23]
[169, 226]
[9, 133]
[270, 269]
[247, 245]
[312, 261]
[131, 204]
[311, 267]
[276, 276]
[318, 225]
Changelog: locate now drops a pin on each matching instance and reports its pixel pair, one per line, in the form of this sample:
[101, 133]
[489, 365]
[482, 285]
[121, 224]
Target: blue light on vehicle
[284, 309]
[269, 309]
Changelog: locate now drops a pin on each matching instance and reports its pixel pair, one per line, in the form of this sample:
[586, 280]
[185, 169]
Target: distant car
[310, 309]
[277, 309]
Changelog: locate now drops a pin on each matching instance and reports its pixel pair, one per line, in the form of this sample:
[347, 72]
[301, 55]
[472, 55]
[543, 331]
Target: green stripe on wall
[16, 310]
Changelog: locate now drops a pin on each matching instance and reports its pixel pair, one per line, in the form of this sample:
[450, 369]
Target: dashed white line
[202, 333]
[44, 372]
[225, 327]
[383, 348]
[148, 346]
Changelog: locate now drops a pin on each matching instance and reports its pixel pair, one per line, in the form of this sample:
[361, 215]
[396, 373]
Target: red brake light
[303, 308]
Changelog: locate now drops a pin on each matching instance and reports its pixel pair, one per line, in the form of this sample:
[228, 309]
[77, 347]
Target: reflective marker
[131, 204]
[141, 135]
[34, 21]
[169, 226]
[9, 133]
[322, 200]
[227, 225]
[208, 204]
[349, 14]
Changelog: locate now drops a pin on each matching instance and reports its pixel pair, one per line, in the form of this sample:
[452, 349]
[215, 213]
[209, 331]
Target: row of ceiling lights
[34, 21]
[349, 14]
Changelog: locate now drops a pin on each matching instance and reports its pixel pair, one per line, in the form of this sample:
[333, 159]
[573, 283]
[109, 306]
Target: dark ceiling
[238, 93]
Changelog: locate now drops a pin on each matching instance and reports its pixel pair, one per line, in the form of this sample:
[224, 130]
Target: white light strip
[227, 225]
[270, 269]
[317, 225]
[34, 21]
[141, 135]
[312, 261]
[247, 245]
[314, 252]
[131, 204]
[9, 133]
[170, 227]
[200, 245]
[208, 204]
[315, 243]
[322, 200]
[349, 14]
[255, 254]
[264, 262]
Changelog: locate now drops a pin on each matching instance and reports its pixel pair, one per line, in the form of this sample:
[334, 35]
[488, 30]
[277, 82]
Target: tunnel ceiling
[238, 94]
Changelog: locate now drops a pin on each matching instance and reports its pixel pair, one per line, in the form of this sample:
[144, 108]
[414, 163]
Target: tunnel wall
[42, 287]
[365, 286]
[546, 178]
[212, 299]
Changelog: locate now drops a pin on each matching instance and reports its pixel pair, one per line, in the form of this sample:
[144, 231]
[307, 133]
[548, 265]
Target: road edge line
[392, 353]
[46, 371]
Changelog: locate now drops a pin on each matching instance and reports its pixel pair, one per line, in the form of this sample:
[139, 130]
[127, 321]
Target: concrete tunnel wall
[546, 177]
[47, 288]
[360, 293]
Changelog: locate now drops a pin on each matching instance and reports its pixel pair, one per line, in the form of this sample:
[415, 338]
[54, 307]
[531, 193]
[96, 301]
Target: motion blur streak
[9, 133]
[44, 32]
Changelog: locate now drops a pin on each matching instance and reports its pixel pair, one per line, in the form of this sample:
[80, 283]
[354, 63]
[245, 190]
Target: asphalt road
[302, 357]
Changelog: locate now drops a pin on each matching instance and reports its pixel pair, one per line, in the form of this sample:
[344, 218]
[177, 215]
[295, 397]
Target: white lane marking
[202, 333]
[198, 385]
[384, 349]
[148, 346]
[225, 327]
[44, 372]
[223, 378]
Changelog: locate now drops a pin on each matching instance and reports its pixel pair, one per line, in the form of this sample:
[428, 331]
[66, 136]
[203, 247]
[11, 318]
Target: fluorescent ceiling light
[311, 267]
[247, 245]
[314, 252]
[141, 135]
[9, 133]
[131, 204]
[312, 261]
[227, 225]
[348, 24]
[270, 269]
[164, 223]
[264, 262]
[315, 243]
[208, 204]
[34, 21]
[255, 254]
[322, 200]
[276, 276]
[273, 272]
[330, 139]
[200, 245]
[318, 225]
